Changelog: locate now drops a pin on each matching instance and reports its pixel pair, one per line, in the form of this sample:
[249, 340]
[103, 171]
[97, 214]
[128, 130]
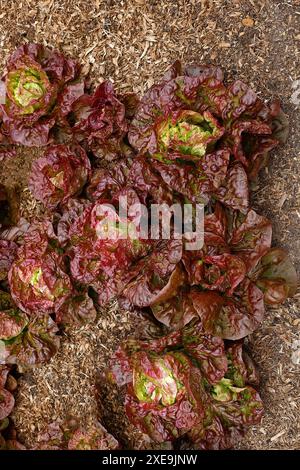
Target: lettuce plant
[100, 122]
[59, 174]
[37, 278]
[183, 384]
[101, 261]
[202, 136]
[37, 91]
[192, 110]
[25, 341]
[221, 287]
[70, 435]
[276, 276]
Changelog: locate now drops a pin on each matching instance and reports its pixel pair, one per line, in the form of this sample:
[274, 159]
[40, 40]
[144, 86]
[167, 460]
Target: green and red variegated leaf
[77, 309]
[207, 350]
[157, 277]
[234, 190]
[249, 236]
[35, 345]
[60, 174]
[175, 312]
[230, 317]
[12, 323]
[197, 182]
[241, 369]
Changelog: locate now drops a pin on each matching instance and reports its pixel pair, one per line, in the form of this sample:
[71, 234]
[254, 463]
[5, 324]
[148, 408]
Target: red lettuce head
[190, 116]
[38, 90]
[37, 278]
[71, 435]
[164, 399]
[59, 174]
[103, 246]
[100, 122]
[182, 383]
[25, 341]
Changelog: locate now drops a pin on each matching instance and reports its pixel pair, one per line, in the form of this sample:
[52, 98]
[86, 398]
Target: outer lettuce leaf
[276, 276]
[77, 309]
[156, 277]
[7, 401]
[12, 323]
[250, 142]
[175, 312]
[198, 183]
[230, 318]
[207, 350]
[234, 191]
[241, 369]
[59, 174]
[8, 250]
[249, 236]
[100, 122]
